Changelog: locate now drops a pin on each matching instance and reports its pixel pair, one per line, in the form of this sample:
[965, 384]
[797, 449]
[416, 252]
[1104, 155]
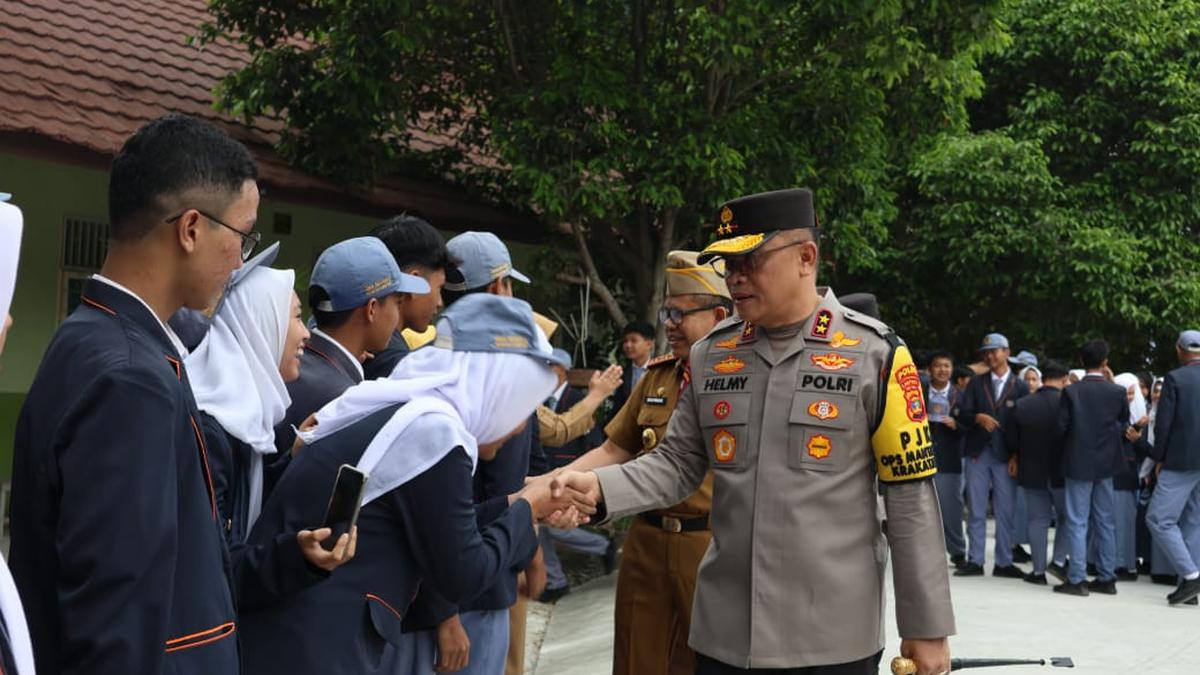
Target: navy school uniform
[326, 372]
[1032, 435]
[116, 547]
[265, 572]
[985, 460]
[383, 363]
[500, 477]
[423, 532]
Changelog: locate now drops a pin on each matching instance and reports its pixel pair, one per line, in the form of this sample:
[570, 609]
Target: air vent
[85, 243]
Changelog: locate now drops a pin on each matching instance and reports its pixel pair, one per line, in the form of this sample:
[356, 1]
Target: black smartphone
[344, 503]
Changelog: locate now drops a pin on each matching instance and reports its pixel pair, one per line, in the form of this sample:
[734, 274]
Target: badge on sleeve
[724, 446]
[902, 443]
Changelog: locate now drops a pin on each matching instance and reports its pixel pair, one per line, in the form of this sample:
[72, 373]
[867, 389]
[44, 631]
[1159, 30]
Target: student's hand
[1141, 423]
[454, 647]
[535, 576]
[1012, 466]
[986, 421]
[605, 383]
[545, 501]
[565, 520]
[584, 484]
[4, 326]
[1133, 434]
[1157, 470]
[950, 423]
[308, 424]
[317, 556]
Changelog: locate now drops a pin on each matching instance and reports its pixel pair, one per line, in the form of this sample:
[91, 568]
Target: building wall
[49, 193]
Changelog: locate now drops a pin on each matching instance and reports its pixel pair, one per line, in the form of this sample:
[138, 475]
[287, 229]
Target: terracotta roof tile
[88, 73]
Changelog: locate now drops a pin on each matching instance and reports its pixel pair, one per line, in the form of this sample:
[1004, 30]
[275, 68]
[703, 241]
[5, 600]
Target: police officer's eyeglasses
[675, 315]
[747, 264]
[249, 241]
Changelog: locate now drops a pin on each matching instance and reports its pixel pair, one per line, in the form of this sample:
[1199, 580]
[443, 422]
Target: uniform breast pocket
[723, 421]
[819, 431]
[652, 420]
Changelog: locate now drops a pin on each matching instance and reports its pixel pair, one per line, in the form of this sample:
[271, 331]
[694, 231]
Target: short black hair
[326, 320]
[449, 297]
[165, 158]
[961, 371]
[922, 358]
[1053, 369]
[414, 241]
[640, 327]
[1093, 353]
[939, 354]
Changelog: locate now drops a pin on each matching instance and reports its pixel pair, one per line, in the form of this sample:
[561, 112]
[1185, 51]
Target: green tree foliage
[621, 124]
[1074, 211]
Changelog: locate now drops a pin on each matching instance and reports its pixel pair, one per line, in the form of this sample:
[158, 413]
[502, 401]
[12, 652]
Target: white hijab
[1026, 369]
[235, 370]
[1137, 407]
[452, 399]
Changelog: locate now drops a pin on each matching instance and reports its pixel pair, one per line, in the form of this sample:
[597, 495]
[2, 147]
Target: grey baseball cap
[1189, 341]
[562, 356]
[484, 259]
[993, 341]
[352, 272]
[1025, 358]
[482, 322]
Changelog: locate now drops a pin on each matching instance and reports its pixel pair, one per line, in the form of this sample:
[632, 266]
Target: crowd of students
[1082, 449]
[179, 446]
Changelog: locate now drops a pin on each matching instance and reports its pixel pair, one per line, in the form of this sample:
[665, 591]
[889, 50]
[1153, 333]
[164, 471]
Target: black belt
[672, 524]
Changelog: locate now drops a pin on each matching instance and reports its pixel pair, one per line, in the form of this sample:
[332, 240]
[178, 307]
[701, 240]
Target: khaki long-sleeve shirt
[558, 429]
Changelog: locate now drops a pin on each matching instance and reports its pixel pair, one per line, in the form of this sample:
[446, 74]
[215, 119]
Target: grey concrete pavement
[1134, 631]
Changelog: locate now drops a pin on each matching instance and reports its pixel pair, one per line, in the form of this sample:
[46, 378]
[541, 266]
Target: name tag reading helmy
[655, 400]
[726, 383]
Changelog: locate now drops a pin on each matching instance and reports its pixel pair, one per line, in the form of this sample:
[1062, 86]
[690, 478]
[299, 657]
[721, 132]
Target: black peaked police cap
[745, 223]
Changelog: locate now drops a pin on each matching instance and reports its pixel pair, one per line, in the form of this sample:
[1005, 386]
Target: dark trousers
[869, 666]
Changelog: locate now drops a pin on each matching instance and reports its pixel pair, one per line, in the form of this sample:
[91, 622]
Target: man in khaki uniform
[798, 406]
[662, 552]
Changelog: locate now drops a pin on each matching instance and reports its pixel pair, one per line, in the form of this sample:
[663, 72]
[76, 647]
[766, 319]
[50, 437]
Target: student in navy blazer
[1033, 438]
[983, 411]
[418, 435]
[941, 400]
[356, 293]
[116, 542]
[1093, 416]
[1174, 512]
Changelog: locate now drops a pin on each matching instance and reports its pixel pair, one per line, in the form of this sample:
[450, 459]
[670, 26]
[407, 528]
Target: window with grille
[85, 243]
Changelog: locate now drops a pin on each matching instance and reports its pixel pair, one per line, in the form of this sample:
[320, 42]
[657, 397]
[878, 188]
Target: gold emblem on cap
[727, 225]
[726, 215]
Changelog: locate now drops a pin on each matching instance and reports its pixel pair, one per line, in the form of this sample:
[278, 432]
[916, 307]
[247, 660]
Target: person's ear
[808, 258]
[721, 313]
[187, 230]
[371, 310]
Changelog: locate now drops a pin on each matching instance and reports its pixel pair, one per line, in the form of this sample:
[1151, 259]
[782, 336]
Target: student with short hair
[108, 451]
[356, 294]
[419, 250]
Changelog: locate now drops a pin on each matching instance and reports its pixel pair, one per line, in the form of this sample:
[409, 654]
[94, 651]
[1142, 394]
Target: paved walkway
[1132, 632]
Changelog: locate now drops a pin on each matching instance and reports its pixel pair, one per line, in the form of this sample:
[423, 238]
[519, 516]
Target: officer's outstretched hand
[931, 656]
[544, 502]
[317, 556]
[585, 483]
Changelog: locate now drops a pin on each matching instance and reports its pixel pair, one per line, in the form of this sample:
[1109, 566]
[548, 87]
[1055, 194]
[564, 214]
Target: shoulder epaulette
[659, 360]
[870, 322]
[727, 322]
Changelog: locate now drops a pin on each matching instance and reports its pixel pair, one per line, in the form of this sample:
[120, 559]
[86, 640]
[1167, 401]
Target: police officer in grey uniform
[799, 407]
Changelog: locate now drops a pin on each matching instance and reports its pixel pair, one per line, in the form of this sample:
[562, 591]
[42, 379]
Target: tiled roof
[87, 73]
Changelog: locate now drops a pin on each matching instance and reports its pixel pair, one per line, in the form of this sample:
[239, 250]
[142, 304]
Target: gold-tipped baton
[903, 666]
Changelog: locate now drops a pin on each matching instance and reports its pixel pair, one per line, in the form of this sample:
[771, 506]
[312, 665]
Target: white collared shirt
[175, 341]
[998, 383]
[353, 359]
